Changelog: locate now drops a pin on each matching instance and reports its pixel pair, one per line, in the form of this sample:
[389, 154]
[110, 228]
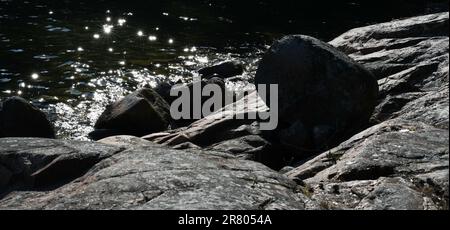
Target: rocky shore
[363, 124]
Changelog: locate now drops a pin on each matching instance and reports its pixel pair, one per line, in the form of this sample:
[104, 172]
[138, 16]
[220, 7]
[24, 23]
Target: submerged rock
[324, 96]
[224, 69]
[18, 118]
[146, 177]
[139, 113]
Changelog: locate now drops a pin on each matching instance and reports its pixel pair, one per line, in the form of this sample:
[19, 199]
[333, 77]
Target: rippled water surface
[72, 58]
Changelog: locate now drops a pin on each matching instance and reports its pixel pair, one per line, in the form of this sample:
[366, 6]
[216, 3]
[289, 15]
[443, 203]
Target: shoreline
[398, 161]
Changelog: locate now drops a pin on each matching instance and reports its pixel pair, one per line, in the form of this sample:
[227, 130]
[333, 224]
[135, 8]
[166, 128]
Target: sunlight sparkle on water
[192, 49]
[171, 41]
[121, 21]
[152, 38]
[107, 29]
[140, 33]
[96, 36]
[34, 76]
[80, 49]
[202, 59]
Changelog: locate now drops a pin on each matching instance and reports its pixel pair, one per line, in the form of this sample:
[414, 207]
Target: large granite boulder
[18, 118]
[324, 96]
[139, 177]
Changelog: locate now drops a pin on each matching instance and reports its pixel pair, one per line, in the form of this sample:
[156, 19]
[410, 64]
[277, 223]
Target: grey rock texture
[410, 58]
[125, 141]
[323, 95]
[41, 163]
[221, 131]
[18, 118]
[148, 177]
[217, 127]
[400, 162]
[403, 162]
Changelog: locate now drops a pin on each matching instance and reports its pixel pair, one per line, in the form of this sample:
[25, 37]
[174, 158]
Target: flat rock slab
[35, 163]
[410, 57]
[154, 177]
[220, 126]
[384, 160]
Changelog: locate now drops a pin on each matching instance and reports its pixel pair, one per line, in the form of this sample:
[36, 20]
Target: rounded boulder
[324, 96]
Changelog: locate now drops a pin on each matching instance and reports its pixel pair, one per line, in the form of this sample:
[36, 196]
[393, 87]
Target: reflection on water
[72, 58]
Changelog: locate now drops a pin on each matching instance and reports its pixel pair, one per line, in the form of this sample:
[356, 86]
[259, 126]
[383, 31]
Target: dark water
[72, 58]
